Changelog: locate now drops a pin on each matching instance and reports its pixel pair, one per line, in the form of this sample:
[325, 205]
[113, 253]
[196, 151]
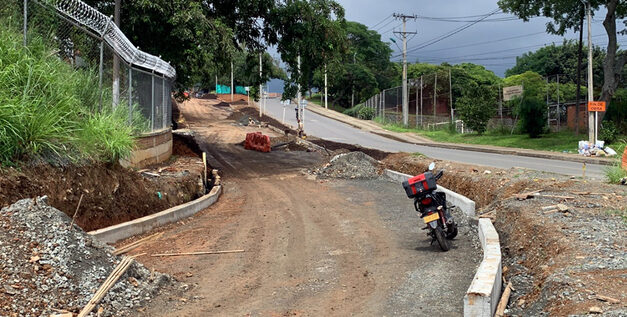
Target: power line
[450, 33]
[486, 42]
[374, 26]
[514, 48]
[381, 27]
[392, 29]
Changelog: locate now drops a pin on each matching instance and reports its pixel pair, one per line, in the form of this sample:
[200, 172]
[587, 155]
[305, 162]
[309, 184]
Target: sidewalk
[413, 138]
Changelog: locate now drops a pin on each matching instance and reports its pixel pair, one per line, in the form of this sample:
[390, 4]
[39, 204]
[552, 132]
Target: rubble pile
[349, 165]
[48, 266]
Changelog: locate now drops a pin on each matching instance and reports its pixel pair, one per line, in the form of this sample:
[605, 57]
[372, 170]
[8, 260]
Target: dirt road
[312, 247]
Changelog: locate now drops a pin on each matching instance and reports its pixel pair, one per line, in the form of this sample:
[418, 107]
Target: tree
[370, 71]
[533, 84]
[566, 15]
[532, 113]
[559, 59]
[302, 28]
[476, 106]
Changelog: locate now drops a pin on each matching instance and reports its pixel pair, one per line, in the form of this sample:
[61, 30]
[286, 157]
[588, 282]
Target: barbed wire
[86, 16]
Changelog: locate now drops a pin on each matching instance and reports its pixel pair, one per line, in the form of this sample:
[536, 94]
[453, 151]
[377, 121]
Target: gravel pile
[46, 266]
[349, 165]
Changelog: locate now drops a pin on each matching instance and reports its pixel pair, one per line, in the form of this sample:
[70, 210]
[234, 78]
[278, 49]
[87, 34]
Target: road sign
[247, 89]
[596, 106]
[510, 92]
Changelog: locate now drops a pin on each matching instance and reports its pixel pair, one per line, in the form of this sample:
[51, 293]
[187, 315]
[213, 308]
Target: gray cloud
[496, 56]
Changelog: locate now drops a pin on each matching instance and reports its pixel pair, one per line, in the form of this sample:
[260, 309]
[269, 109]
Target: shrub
[614, 174]
[532, 114]
[365, 113]
[476, 107]
[47, 108]
[353, 112]
[608, 132]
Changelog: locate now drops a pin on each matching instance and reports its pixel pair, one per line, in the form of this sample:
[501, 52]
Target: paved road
[333, 130]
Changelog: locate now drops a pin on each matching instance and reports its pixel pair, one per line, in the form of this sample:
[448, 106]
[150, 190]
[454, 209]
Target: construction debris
[49, 267]
[350, 165]
[106, 286]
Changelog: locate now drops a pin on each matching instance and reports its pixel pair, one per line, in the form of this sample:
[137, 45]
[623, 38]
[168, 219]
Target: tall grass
[47, 108]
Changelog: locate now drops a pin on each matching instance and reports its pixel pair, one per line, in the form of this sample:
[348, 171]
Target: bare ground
[312, 247]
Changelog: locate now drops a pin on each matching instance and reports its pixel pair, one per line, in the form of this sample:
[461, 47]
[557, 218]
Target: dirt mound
[334, 146]
[350, 165]
[222, 105]
[48, 265]
[239, 103]
[111, 194]
[209, 96]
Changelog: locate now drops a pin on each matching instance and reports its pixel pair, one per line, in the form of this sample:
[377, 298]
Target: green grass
[48, 109]
[557, 142]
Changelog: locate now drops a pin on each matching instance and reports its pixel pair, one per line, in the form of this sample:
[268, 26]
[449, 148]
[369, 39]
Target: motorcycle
[432, 206]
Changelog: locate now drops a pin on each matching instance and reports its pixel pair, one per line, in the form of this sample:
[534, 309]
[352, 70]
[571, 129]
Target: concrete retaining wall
[464, 203]
[484, 292]
[131, 228]
[150, 148]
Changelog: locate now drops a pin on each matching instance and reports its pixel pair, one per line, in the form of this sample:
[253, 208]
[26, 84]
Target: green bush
[608, 132]
[533, 116]
[365, 113]
[47, 109]
[354, 111]
[476, 107]
[614, 174]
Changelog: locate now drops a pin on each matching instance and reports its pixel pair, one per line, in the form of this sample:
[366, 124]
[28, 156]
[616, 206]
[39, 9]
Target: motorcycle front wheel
[442, 241]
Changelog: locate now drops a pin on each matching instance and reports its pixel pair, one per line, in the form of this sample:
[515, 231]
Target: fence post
[130, 96]
[25, 20]
[100, 70]
[165, 113]
[152, 102]
[383, 108]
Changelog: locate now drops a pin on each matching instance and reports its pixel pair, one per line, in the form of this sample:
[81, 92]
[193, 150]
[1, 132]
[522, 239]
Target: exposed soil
[111, 194]
[311, 247]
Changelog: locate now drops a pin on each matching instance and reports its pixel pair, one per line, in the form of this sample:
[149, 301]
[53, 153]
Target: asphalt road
[333, 130]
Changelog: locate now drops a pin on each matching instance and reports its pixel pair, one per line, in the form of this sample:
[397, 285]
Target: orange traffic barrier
[625, 159]
[258, 142]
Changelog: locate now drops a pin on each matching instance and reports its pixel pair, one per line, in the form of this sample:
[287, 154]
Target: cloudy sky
[507, 36]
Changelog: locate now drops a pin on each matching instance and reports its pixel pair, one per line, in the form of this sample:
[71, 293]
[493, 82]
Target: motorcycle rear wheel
[451, 233]
[442, 241]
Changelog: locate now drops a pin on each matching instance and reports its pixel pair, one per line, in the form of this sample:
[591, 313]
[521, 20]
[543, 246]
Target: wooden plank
[198, 253]
[500, 309]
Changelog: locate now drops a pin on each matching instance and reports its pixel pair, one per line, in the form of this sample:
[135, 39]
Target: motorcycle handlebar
[439, 175]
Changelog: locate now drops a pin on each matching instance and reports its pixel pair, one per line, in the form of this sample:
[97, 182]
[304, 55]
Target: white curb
[141, 225]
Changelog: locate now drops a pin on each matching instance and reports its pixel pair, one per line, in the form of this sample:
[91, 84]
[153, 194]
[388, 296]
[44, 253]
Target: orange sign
[596, 106]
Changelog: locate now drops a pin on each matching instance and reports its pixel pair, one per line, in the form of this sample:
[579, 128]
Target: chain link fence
[431, 105]
[89, 40]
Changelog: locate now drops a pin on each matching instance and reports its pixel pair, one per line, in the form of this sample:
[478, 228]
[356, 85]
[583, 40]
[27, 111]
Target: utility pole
[326, 105]
[260, 86]
[450, 95]
[116, 61]
[298, 97]
[578, 93]
[405, 93]
[592, 124]
[353, 82]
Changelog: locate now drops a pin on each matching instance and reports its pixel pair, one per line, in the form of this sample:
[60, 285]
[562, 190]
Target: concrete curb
[131, 228]
[464, 203]
[400, 137]
[484, 292]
